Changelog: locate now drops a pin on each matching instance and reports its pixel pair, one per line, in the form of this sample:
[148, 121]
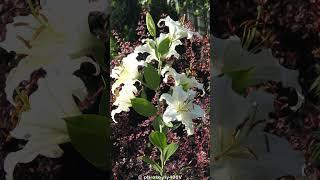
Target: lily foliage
[133, 78]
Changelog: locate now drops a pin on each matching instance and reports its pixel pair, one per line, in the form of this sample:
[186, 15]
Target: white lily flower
[54, 35]
[150, 48]
[275, 156]
[123, 101]
[50, 41]
[173, 43]
[56, 31]
[181, 79]
[27, 66]
[127, 71]
[176, 32]
[43, 125]
[230, 57]
[176, 29]
[181, 108]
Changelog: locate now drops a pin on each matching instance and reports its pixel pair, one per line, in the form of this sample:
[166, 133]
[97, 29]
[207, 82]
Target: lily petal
[170, 115]
[123, 101]
[186, 119]
[197, 112]
[168, 98]
[179, 94]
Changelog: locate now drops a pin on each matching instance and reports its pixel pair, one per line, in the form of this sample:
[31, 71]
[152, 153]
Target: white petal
[14, 158]
[60, 98]
[280, 160]
[144, 48]
[123, 101]
[169, 115]
[186, 119]
[197, 112]
[179, 94]
[231, 57]
[300, 101]
[176, 30]
[114, 112]
[149, 48]
[127, 71]
[59, 16]
[22, 72]
[43, 125]
[12, 43]
[166, 69]
[225, 99]
[168, 98]
[29, 153]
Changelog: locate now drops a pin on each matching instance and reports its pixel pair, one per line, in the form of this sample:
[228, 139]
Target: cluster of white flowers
[181, 104]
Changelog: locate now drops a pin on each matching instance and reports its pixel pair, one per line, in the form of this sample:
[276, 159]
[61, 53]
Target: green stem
[33, 11]
[162, 164]
[160, 66]
[230, 148]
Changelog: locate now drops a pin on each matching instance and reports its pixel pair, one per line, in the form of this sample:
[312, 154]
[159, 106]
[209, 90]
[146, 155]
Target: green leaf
[151, 44]
[169, 124]
[89, 136]
[170, 150]
[157, 122]
[164, 46]
[159, 125]
[240, 79]
[153, 164]
[158, 139]
[150, 25]
[143, 107]
[143, 94]
[152, 77]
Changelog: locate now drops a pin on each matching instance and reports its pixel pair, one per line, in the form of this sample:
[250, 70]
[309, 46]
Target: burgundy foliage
[130, 135]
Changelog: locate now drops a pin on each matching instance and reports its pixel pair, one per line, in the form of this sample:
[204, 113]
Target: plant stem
[161, 159]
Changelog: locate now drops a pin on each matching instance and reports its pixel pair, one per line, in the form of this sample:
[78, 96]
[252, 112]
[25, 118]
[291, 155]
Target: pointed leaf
[164, 46]
[240, 79]
[150, 25]
[170, 150]
[157, 122]
[152, 77]
[89, 135]
[158, 139]
[153, 164]
[143, 107]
